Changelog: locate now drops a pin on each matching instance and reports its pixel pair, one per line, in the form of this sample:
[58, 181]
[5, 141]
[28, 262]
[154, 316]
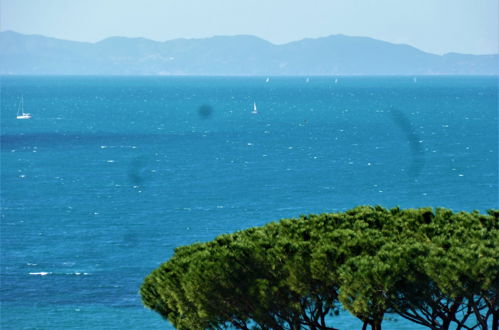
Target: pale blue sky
[437, 26]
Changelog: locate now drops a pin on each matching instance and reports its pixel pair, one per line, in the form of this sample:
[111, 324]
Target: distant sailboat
[255, 111]
[20, 111]
[267, 80]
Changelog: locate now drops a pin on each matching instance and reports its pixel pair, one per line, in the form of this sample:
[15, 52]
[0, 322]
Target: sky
[435, 26]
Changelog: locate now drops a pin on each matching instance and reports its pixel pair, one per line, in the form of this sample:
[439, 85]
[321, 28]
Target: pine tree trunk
[376, 325]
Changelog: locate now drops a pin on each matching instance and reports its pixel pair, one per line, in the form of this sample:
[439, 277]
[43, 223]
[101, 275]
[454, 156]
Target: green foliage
[433, 267]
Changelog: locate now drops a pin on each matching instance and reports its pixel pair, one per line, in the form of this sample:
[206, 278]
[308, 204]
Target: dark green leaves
[435, 268]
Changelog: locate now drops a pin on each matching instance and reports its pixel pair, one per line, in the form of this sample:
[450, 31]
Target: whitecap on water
[50, 273]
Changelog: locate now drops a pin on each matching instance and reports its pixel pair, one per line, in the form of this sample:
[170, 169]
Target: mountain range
[243, 55]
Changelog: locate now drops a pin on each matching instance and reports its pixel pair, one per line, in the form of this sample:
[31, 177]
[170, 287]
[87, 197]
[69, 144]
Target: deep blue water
[111, 174]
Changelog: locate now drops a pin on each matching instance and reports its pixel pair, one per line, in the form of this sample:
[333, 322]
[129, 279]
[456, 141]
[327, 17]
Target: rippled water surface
[111, 174]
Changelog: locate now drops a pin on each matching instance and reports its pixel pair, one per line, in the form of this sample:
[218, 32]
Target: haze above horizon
[434, 26]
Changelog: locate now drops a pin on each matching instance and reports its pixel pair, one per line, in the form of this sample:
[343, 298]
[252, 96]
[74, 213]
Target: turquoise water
[111, 174]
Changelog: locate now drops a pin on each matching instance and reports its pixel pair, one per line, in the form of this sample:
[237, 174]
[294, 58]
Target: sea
[111, 174]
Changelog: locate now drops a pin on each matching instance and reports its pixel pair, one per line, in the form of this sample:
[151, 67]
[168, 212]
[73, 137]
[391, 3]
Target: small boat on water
[255, 111]
[20, 111]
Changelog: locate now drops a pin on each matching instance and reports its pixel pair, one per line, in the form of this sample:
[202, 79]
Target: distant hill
[230, 55]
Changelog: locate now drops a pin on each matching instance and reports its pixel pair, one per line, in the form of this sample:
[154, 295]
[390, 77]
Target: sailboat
[20, 111]
[254, 109]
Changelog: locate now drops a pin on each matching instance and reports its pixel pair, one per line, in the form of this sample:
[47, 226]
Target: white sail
[20, 111]
[255, 111]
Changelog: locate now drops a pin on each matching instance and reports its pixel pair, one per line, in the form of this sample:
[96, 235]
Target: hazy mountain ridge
[230, 55]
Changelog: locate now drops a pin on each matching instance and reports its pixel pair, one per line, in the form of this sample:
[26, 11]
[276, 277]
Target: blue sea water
[112, 173]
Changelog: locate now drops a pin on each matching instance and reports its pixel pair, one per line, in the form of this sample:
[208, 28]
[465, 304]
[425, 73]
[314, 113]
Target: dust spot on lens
[205, 111]
[137, 171]
[130, 239]
[418, 157]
